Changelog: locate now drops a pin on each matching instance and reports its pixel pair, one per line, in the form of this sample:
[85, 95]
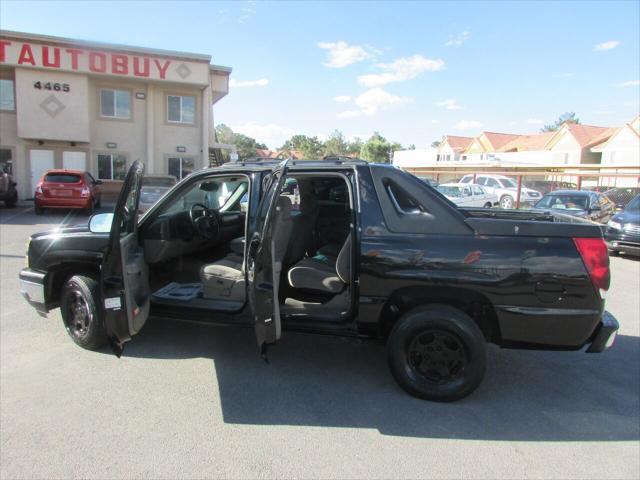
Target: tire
[488, 205]
[11, 202]
[81, 294]
[507, 202]
[38, 210]
[449, 332]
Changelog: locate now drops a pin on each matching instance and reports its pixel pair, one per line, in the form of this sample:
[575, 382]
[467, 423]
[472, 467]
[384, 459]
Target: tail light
[85, 192]
[38, 189]
[596, 259]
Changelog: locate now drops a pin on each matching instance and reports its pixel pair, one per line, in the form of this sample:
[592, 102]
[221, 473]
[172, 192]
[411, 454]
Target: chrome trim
[34, 292]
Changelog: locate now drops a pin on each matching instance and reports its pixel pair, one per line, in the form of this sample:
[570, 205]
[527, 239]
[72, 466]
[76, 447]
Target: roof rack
[337, 160]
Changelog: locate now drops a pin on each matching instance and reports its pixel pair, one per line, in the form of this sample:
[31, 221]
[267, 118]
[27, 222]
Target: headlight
[614, 225]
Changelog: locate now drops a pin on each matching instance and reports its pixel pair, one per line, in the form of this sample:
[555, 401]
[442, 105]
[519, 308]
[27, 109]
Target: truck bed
[529, 223]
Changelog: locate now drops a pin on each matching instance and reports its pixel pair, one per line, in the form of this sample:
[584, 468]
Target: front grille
[632, 229]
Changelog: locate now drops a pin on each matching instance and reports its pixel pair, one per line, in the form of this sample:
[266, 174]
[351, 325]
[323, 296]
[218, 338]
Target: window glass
[7, 98]
[6, 162]
[477, 190]
[180, 167]
[508, 183]
[491, 182]
[112, 166]
[481, 180]
[564, 202]
[181, 109]
[173, 110]
[115, 103]
[220, 193]
[107, 103]
[61, 178]
[402, 200]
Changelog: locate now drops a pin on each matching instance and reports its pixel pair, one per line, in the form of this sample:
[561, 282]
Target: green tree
[378, 149]
[335, 144]
[309, 147]
[567, 117]
[435, 144]
[246, 146]
[354, 146]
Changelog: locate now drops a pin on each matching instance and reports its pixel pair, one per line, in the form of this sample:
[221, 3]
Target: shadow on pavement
[331, 382]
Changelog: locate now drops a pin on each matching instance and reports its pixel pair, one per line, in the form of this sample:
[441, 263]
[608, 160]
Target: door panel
[124, 274]
[41, 161]
[74, 161]
[262, 274]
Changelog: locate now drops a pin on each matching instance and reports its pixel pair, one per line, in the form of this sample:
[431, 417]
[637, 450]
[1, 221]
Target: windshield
[633, 205]
[450, 190]
[508, 183]
[564, 202]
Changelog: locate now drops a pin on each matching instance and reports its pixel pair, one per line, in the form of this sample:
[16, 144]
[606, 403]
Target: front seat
[323, 274]
[225, 279]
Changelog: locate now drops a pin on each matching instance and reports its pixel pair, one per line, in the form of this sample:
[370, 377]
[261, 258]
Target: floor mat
[179, 291]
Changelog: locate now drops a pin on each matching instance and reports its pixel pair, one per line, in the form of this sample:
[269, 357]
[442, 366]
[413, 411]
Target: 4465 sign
[58, 87]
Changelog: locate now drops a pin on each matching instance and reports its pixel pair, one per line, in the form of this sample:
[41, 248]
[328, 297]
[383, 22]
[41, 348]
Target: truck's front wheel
[79, 304]
[437, 352]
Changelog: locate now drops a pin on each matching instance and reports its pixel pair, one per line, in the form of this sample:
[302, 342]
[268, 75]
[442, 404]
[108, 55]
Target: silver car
[153, 188]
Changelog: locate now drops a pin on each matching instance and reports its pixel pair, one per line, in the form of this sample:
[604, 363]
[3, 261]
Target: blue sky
[412, 71]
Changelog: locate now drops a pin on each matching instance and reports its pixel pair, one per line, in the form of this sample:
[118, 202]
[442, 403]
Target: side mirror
[101, 223]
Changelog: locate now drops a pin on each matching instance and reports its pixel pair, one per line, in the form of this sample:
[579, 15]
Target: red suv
[67, 189]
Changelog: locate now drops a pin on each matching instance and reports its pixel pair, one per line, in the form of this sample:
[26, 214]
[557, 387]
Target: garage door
[41, 161]
[74, 160]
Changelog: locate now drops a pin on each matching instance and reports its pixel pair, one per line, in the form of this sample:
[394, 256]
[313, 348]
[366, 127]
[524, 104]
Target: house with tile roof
[622, 147]
[451, 148]
[572, 142]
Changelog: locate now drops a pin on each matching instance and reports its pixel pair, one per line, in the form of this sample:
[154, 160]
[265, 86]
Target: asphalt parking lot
[195, 401]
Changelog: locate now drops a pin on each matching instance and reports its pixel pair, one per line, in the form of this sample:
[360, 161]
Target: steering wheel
[204, 220]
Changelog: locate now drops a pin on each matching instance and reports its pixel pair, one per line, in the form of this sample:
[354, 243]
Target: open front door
[262, 273]
[124, 274]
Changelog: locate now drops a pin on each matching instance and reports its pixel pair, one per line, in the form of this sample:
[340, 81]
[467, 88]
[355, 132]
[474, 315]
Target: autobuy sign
[102, 62]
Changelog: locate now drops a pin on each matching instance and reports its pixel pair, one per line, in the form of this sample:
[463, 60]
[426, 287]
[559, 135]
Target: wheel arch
[476, 305]
[59, 274]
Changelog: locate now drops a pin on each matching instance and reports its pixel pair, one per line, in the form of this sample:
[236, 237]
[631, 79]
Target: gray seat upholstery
[303, 225]
[225, 279]
[317, 275]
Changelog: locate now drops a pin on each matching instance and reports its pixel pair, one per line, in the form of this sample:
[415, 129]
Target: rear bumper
[83, 203]
[32, 287]
[605, 334]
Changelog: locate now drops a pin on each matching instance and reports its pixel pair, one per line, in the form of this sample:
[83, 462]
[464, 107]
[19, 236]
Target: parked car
[623, 230]
[621, 196]
[505, 188]
[392, 260]
[468, 195]
[8, 192]
[69, 189]
[580, 203]
[547, 186]
[153, 188]
[430, 181]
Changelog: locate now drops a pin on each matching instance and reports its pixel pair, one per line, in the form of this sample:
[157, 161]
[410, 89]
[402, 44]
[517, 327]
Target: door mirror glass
[101, 223]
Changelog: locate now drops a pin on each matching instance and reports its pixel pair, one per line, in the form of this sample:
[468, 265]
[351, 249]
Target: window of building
[6, 161]
[115, 103]
[181, 109]
[180, 167]
[7, 96]
[112, 166]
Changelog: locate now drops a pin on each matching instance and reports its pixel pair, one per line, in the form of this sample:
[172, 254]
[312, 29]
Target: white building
[66, 103]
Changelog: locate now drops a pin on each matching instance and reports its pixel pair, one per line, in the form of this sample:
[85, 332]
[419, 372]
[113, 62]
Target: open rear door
[263, 276]
[124, 275]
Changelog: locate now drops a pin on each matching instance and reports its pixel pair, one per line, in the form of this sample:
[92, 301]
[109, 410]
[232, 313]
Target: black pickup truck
[355, 250]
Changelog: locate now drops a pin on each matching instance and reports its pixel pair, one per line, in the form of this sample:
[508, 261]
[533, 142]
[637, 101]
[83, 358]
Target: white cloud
[271, 134]
[457, 40]
[375, 99]
[449, 105]
[610, 45]
[467, 125]
[349, 114]
[262, 82]
[629, 83]
[369, 102]
[534, 121]
[341, 54]
[401, 70]
[342, 98]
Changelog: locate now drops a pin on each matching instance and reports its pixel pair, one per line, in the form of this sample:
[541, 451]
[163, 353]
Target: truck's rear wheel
[507, 202]
[437, 352]
[79, 305]
[12, 200]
